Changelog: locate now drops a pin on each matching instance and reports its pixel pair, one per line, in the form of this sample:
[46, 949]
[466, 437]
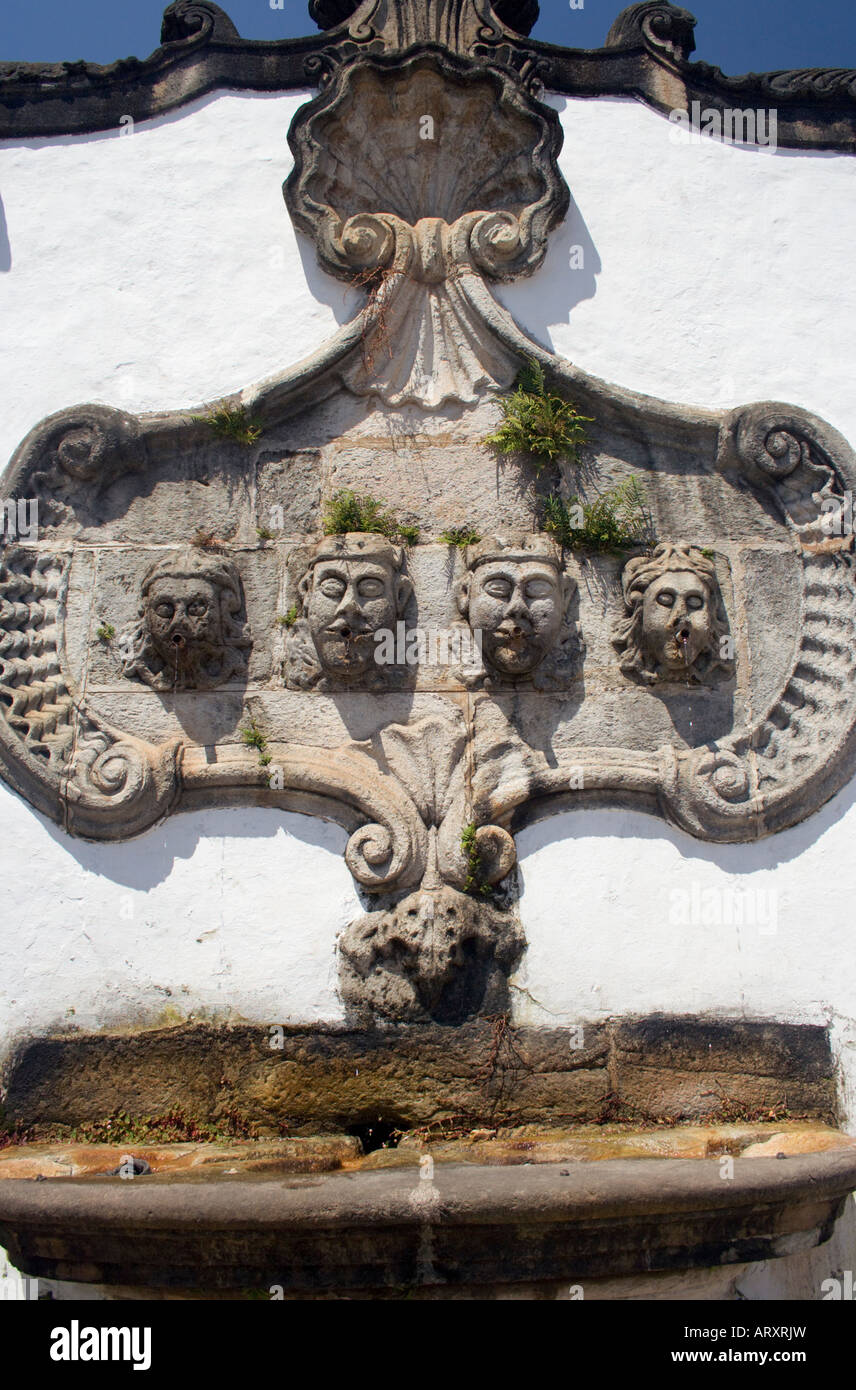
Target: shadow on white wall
[5, 248]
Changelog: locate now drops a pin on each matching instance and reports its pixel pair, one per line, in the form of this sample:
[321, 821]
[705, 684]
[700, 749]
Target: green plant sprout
[106, 632]
[474, 883]
[538, 422]
[289, 618]
[348, 511]
[460, 536]
[231, 422]
[614, 521]
[253, 737]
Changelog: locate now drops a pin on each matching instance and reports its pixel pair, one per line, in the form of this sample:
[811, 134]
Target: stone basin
[500, 1211]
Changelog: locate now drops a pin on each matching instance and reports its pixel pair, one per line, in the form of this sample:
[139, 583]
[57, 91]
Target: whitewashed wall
[160, 269]
[713, 274]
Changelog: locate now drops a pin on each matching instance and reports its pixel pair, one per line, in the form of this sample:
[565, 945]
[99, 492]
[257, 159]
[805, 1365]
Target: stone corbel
[445, 951]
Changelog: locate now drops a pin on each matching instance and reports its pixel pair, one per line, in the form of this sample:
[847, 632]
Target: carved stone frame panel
[105, 783]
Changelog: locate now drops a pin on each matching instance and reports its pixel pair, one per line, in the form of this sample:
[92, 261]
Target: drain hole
[129, 1168]
[379, 1133]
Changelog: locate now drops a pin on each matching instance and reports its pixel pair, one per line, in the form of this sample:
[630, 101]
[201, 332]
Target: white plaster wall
[712, 274]
[225, 913]
[157, 269]
[160, 269]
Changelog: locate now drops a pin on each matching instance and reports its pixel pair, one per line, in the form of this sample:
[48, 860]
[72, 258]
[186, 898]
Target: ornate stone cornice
[646, 55]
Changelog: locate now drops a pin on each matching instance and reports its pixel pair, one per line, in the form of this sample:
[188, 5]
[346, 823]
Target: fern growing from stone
[613, 521]
[231, 423]
[538, 422]
[348, 511]
[460, 537]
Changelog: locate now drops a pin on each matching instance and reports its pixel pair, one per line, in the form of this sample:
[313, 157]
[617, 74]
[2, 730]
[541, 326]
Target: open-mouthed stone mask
[353, 590]
[675, 620]
[190, 633]
[183, 618]
[348, 602]
[518, 608]
[516, 596]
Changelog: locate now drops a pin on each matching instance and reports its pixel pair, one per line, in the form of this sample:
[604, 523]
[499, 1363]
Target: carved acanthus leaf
[428, 758]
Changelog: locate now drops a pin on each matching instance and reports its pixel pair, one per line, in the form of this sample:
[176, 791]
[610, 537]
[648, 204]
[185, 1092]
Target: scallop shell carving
[408, 143]
[401, 198]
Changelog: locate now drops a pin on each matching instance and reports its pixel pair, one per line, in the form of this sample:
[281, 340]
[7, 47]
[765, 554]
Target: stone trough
[593, 1211]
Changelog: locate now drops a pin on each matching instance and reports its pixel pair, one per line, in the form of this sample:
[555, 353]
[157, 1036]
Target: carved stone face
[674, 621]
[184, 622]
[190, 632]
[677, 621]
[350, 599]
[519, 608]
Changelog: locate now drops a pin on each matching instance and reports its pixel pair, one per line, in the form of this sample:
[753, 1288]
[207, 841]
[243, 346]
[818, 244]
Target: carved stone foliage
[353, 590]
[517, 597]
[429, 760]
[190, 633]
[675, 628]
[421, 212]
[439, 953]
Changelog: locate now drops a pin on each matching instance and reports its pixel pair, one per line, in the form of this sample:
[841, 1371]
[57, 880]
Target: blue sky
[738, 35]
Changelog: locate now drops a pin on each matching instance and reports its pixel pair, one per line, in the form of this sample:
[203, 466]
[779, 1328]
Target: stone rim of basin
[523, 1145]
[366, 1230]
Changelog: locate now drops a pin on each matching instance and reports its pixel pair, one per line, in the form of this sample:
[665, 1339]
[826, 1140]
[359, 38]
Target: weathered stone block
[334, 1079]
